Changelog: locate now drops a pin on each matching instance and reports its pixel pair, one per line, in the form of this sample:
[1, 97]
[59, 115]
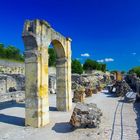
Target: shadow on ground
[52, 108]
[10, 104]
[12, 120]
[110, 95]
[137, 111]
[63, 127]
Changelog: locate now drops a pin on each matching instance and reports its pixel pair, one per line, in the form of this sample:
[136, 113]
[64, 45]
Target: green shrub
[135, 70]
[77, 67]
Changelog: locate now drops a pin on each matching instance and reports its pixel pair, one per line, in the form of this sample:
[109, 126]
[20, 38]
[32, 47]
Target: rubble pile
[86, 115]
[95, 80]
[95, 91]
[89, 92]
[121, 88]
[79, 95]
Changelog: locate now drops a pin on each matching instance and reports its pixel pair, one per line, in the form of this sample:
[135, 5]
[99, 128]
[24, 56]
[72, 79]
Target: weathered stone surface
[11, 81]
[52, 84]
[120, 88]
[79, 94]
[97, 80]
[89, 92]
[37, 36]
[9, 67]
[86, 115]
[17, 96]
[95, 91]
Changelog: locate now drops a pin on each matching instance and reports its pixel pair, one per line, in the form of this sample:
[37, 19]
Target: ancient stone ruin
[86, 115]
[37, 36]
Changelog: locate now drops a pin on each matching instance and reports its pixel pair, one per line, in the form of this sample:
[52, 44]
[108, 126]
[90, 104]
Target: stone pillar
[36, 92]
[63, 74]
[62, 84]
[36, 75]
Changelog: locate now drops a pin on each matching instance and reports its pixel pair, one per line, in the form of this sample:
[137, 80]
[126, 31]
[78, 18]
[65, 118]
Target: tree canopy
[10, 52]
[94, 65]
[135, 70]
[77, 67]
[52, 57]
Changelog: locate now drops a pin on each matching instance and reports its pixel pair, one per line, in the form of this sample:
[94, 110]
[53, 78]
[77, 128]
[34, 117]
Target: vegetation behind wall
[10, 52]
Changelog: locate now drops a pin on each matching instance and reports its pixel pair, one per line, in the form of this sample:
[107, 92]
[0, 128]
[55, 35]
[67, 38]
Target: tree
[123, 72]
[103, 67]
[10, 52]
[94, 65]
[52, 57]
[90, 65]
[2, 53]
[135, 70]
[77, 67]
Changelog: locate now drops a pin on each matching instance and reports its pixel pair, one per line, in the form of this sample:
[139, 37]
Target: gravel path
[120, 121]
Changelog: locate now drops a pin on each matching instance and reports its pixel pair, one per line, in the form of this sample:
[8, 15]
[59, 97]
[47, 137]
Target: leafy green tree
[52, 57]
[10, 52]
[135, 70]
[2, 53]
[123, 72]
[77, 67]
[99, 66]
[103, 67]
[94, 65]
[90, 65]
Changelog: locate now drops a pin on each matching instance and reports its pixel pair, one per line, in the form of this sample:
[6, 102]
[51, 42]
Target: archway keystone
[37, 36]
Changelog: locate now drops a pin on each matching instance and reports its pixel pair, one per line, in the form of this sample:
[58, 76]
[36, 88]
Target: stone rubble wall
[9, 67]
[9, 82]
[86, 115]
[18, 96]
[134, 82]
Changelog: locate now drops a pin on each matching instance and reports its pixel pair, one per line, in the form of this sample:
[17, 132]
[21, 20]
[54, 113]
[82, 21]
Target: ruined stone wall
[8, 67]
[134, 82]
[12, 67]
[12, 96]
[9, 82]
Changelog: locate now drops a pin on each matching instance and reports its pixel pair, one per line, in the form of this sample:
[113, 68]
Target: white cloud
[78, 58]
[105, 60]
[85, 55]
[100, 61]
[109, 59]
[134, 53]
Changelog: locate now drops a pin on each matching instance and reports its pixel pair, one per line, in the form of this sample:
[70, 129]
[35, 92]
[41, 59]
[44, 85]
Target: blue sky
[103, 30]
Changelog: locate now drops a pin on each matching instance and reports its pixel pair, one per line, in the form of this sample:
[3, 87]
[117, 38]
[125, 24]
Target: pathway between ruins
[120, 121]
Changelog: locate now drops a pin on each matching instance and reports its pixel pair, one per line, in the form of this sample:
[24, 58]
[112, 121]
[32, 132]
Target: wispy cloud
[85, 55]
[105, 60]
[78, 58]
[109, 59]
[100, 61]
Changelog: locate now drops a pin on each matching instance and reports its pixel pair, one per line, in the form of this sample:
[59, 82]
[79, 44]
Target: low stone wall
[10, 82]
[9, 67]
[12, 96]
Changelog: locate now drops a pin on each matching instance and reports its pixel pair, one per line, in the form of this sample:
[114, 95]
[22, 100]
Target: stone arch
[59, 49]
[37, 36]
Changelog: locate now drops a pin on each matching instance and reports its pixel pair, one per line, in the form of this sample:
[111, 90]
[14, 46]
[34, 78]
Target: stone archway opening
[56, 79]
[60, 74]
[37, 36]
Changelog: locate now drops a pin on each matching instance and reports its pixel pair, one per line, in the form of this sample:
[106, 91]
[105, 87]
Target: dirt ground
[120, 121]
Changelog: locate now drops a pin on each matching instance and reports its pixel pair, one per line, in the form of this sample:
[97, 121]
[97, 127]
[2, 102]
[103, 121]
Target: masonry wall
[12, 67]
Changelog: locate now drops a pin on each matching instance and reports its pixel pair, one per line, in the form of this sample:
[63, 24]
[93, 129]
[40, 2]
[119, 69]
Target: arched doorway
[37, 36]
